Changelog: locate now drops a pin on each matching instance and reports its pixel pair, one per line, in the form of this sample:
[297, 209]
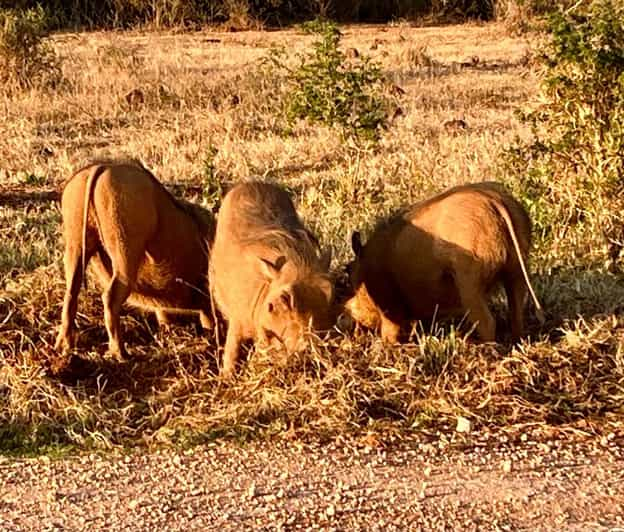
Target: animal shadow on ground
[153, 354]
[570, 294]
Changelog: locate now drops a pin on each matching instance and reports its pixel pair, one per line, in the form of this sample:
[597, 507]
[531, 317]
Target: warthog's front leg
[232, 347]
[164, 320]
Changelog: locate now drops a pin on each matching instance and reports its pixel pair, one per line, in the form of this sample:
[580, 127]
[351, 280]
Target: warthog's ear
[326, 258]
[270, 269]
[356, 243]
[288, 299]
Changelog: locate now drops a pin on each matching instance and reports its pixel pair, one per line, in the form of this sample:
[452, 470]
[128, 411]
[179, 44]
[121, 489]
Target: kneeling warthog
[267, 276]
[147, 247]
[442, 257]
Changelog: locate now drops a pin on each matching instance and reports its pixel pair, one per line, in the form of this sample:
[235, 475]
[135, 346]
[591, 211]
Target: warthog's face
[293, 305]
[360, 306]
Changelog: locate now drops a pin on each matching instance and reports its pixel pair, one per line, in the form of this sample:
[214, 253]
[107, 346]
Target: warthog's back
[469, 217]
[131, 213]
[423, 248]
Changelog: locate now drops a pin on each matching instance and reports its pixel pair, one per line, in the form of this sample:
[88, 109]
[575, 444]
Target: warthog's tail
[504, 213]
[91, 180]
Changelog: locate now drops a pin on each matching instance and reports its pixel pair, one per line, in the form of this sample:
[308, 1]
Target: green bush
[327, 88]
[573, 168]
[26, 60]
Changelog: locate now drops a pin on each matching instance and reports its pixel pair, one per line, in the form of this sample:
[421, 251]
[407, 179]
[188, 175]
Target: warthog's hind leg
[113, 299]
[517, 292]
[72, 259]
[474, 301]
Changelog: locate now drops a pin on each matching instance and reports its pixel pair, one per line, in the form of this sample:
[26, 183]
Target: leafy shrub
[26, 60]
[573, 168]
[326, 88]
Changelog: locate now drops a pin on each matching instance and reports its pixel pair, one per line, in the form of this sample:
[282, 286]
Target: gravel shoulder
[351, 485]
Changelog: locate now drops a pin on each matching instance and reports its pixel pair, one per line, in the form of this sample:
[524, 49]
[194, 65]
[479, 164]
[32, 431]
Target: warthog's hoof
[227, 373]
[64, 343]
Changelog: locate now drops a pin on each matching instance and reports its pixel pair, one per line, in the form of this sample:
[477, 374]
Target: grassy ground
[183, 103]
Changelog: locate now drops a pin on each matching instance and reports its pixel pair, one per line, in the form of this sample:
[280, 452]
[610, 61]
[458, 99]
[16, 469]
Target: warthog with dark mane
[147, 247]
[442, 257]
[266, 273]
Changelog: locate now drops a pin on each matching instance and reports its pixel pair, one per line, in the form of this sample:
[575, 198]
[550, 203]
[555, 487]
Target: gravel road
[350, 485]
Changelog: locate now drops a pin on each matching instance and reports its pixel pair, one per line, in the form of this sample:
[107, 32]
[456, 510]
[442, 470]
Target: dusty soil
[341, 486]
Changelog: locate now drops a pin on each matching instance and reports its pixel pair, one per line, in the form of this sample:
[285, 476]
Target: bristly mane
[278, 229]
[398, 217]
[295, 245]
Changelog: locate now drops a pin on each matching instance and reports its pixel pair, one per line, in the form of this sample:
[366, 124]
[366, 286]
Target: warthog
[147, 247]
[267, 276]
[441, 257]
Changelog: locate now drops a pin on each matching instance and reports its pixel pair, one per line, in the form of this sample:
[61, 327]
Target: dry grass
[197, 94]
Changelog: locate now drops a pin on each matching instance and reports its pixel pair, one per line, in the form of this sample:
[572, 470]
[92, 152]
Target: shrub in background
[572, 171]
[326, 88]
[26, 60]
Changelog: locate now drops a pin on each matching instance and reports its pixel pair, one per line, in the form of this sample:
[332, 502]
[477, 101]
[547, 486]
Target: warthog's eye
[285, 302]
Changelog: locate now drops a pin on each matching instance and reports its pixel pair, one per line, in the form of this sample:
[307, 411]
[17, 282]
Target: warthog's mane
[276, 229]
[396, 219]
[296, 245]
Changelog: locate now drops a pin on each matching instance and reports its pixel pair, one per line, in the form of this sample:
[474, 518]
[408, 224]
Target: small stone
[133, 504]
[507, 466]
[463, 425]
